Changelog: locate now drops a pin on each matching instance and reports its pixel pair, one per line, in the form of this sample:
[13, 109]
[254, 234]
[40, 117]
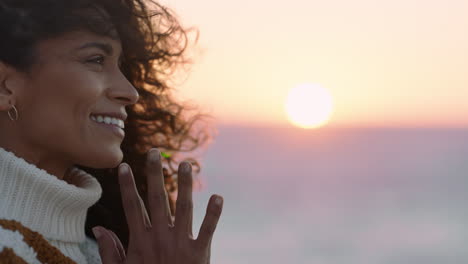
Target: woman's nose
[123, 92]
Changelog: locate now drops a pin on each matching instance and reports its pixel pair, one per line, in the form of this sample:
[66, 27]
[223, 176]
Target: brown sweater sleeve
[45, 252]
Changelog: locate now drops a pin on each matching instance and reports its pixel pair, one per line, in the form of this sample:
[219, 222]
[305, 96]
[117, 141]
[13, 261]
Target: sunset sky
[362, 194]
[386, 63]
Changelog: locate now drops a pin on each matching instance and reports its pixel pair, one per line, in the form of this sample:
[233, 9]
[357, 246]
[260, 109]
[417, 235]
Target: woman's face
[75, 76]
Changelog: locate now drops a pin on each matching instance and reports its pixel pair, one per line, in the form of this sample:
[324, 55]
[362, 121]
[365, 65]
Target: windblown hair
[154, 45]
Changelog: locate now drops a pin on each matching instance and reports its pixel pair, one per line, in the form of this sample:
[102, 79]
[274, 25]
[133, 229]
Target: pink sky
[395, 63]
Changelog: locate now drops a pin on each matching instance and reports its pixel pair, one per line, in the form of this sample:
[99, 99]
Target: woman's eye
[99, 60]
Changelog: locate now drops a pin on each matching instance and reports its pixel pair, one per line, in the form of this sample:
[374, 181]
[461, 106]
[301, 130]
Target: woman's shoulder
[19, 244]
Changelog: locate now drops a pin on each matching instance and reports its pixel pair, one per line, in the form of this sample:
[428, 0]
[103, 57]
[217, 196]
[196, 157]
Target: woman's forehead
[80, 40]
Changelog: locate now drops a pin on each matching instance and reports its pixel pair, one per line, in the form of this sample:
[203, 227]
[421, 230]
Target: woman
[83, 87]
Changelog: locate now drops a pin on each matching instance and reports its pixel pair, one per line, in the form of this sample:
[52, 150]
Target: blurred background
[342, 129]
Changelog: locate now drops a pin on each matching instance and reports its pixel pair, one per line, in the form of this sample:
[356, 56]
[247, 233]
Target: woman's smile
[114, 125]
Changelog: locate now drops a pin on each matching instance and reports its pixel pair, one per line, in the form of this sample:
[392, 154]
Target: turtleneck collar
[40, 201]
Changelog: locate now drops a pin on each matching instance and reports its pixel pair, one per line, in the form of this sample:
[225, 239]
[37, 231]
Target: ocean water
[337, 196]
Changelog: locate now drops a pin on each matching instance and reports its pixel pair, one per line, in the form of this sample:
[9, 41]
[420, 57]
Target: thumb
[107, 246]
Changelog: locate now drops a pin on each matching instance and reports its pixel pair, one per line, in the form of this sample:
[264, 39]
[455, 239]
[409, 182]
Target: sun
[309, 106]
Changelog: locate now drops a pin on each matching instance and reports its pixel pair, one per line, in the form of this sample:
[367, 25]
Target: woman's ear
[8, 90]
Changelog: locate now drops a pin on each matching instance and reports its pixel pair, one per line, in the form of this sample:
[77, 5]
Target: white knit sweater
[52, 207]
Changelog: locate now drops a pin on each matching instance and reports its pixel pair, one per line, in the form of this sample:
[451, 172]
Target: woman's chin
[111, 160]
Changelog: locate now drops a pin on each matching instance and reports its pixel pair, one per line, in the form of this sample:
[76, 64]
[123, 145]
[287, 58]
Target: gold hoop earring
[16, 114]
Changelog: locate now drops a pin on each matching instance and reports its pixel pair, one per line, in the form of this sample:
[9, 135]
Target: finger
[184, 203]
[157, 195]
[107, 246]
[119, 245]
[213, 212]
[131, 201]
[146, 218]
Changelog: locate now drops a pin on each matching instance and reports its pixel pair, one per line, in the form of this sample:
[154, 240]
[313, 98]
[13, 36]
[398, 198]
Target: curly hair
[153, 46]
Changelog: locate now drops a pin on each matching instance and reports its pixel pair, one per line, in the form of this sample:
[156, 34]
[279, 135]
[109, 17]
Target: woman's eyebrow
[107, 48]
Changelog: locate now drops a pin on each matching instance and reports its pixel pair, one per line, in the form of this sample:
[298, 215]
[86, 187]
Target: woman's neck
[53, 164]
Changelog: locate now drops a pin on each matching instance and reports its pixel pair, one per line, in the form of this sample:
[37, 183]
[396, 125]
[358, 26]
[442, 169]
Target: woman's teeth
[108, 120]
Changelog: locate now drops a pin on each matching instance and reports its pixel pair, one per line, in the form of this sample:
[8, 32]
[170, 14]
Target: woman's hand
[158, 240]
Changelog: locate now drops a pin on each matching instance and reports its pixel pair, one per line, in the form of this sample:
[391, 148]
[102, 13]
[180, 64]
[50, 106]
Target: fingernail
[154, 154]
[123, 168]
[186, 167]
[97, 232]
[219, 201]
